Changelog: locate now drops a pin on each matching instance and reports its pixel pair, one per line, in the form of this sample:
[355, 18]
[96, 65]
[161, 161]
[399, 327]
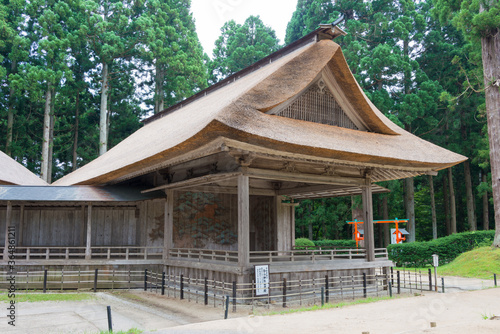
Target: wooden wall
[133, 225]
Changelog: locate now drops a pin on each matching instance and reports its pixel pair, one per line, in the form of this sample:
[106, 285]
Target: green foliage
[302, 243]
[419, 254]
[240, 46]
[330, 244]
[480, 262]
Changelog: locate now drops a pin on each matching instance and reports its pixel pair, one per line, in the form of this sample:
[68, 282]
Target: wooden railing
[195, 254]
[310, 255]
[97, 253]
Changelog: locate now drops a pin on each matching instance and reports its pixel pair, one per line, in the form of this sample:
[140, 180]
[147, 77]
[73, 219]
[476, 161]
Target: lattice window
[318, 105]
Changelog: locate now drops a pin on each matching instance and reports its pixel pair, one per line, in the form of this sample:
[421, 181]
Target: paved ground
[456, 311]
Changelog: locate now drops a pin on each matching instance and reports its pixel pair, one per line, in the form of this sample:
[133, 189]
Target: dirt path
[455, 312]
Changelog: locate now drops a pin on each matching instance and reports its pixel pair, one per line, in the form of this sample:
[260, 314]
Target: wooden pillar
[368, 221]
[21, 227]
[88, 251]
[285, 224]
[8, 220]
[169, 224]
[243, 221]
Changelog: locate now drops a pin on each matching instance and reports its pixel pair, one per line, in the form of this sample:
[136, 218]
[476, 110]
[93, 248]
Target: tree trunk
[453, 209]
[51, 142]
[10, 114]
[486, 218]
[44, 170]
[74, 161]
[471, 216]
[159, 95]
[385, 216]
[410, 207]
[433, 207]
[310, 231]
[446, 202]
[490, 44]
[103, 121]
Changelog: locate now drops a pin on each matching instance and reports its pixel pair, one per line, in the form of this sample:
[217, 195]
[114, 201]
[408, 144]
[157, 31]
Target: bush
[302, 243]
[330, 244]
[419, 254]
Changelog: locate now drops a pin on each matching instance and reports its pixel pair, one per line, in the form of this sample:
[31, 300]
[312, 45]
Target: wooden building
[230, 163]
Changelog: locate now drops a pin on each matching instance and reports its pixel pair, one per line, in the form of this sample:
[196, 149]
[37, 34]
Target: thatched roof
[238, 112]
[12, 172]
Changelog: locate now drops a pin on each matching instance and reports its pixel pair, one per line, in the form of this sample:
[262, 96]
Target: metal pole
[364, 285]
[110, 323]
[44, 280]
[442, 283]
[182, 287]
[145, 280]
[163, 284]
[430, 279]
[206, 291]
[322, 296]
[234, 296]
[95, 279]
[495, 279]
[390, 289]
[226, 309]
[327, 289]
[399, 282]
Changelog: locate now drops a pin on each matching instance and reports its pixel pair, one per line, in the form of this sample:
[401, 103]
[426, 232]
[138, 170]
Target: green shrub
[302, 243]
[330, 244]
[419, 254]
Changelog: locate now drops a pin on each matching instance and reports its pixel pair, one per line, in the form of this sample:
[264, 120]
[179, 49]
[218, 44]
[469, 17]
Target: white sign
[435, 260]
[393, 236]
[262, 280]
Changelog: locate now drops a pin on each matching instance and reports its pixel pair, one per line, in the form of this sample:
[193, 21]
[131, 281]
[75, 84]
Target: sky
[210, 16]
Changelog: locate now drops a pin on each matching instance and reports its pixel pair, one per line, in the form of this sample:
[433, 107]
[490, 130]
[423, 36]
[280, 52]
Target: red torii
[399, 234]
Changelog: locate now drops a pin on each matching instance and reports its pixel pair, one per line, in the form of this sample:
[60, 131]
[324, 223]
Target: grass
[481, 262]
[130, 331]
[328, 306]
[43, 297]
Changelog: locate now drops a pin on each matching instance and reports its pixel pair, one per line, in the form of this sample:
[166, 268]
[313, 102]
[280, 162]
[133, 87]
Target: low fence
[283, 293]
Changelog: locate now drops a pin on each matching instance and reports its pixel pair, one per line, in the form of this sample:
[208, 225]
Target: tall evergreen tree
[480, 21]
[174, 52]
[240, 46]
[114, 28]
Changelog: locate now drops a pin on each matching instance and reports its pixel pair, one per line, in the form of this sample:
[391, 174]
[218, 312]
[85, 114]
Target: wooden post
[368, 221]
[21, 226]
[243, 220]
[8, 220]
[88, 250]
[169, 224]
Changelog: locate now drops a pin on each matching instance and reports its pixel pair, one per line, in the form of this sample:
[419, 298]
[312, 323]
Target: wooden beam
[301, 177]
[243, 220]
[368, 221]
[307, 189]
[169, 224]
[88, 251]
[196, 181]
[229, 190]
[8, 220]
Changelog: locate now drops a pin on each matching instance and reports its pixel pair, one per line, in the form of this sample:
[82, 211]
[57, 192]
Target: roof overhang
[75, 194]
